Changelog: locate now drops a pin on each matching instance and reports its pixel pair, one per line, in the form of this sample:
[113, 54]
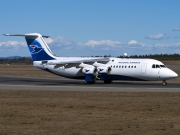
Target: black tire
[164, 83]
[107, 81]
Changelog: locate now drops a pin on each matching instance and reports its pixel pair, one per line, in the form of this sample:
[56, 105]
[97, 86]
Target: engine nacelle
[104, 70]
[89, 70]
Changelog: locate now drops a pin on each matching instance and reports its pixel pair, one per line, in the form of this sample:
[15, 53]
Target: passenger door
[158, 70]
[143, 68]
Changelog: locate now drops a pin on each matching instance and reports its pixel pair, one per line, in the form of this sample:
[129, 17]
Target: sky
[92, 27]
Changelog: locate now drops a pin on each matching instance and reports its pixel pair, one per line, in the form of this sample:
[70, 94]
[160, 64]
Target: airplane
[91, 69]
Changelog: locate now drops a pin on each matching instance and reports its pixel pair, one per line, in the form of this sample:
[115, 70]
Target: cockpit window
[153, 66]
[162, 66]
[157, 66]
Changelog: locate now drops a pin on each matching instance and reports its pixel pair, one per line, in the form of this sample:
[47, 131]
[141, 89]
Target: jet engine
[104, 70]
[89, 70]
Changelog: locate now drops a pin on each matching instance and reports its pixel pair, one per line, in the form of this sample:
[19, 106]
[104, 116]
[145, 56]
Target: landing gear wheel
[90, 82]
[93, 82]
[107, 81]
[164, 83]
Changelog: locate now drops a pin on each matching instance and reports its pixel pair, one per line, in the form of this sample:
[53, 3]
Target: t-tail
[38, 48]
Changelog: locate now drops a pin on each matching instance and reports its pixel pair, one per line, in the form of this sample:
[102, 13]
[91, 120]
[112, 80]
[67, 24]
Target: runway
[62, 84]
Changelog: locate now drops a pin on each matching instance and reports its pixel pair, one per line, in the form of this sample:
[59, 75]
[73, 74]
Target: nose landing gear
[164, 83]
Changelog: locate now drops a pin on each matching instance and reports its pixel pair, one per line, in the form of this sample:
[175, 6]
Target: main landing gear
[164, 83]
[90, 79]
[91, 82]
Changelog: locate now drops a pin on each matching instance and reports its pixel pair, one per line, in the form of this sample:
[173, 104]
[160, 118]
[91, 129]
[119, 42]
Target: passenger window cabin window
[153, 66]
[134, 66]
[129, 66]
[122, 66]
[125, 66]
[113, 66]
[116, 66]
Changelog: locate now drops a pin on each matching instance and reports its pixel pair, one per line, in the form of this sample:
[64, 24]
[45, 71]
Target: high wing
[71, 63]
[91, 60]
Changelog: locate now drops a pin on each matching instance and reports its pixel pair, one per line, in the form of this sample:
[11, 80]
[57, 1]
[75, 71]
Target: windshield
[162, 66]
[158, 66]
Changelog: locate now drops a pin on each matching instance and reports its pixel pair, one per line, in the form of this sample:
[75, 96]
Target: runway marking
[60, 86]
[79, 88]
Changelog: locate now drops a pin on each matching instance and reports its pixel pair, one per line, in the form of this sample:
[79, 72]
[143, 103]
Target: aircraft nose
[173, 74]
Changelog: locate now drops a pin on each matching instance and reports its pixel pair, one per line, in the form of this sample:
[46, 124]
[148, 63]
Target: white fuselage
[92, 68]
[121, 69]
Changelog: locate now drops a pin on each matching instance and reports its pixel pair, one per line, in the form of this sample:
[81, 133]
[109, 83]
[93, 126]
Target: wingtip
[6, 34]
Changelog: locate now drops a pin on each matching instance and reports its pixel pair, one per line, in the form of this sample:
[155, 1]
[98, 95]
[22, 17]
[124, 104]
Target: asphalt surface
[62, 84]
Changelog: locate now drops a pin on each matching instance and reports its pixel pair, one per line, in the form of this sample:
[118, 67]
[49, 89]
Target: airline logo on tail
[35, 49]
[37, 46]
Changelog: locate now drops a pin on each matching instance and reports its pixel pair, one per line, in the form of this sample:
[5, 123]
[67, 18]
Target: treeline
[151, 56]
[28, 61]
[22, 60]
[157, 56]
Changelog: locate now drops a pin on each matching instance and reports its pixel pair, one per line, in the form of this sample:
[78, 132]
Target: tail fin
[37, 46]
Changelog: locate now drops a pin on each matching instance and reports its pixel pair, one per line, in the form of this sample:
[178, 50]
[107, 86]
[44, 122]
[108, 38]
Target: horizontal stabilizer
[27, 35]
